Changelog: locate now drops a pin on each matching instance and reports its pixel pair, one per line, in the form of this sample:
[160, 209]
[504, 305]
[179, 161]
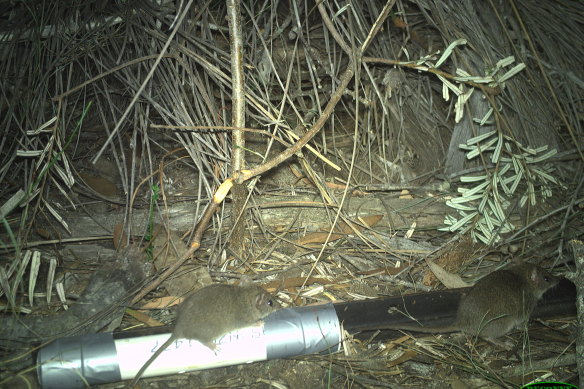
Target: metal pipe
[79, 361]
[72, 363]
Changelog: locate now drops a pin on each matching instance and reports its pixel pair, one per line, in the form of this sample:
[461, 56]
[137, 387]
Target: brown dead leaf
[331, 185]
[341, 187]
[451, 257]
[398, 22]
[43, 233]
[318, 237]
[406, 356]
[144, 318]
[120, 237]
[101, 185]
[163, 302]
[391, 345]
[298, 174]
[449, 280]
[342, 229]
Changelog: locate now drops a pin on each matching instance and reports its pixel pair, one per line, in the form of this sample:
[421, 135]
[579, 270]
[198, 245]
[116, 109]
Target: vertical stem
[238, 121]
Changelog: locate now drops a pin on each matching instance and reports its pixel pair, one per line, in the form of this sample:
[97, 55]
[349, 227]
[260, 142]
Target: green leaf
[480, 138]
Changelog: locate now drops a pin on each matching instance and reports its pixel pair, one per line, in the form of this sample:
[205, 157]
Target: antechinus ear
[516, 261]
[261, 299]
[245, 280]
[533, 274]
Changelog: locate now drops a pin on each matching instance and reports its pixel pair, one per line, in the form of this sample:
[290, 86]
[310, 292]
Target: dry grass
[136, 106]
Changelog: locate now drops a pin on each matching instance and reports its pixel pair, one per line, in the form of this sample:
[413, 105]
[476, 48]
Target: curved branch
[244, 175]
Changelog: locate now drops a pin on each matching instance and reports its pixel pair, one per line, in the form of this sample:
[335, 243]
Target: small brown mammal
[498, 303]
[213, 311]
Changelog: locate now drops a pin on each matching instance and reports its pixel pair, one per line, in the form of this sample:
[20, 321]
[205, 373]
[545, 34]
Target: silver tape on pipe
[71, 363]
